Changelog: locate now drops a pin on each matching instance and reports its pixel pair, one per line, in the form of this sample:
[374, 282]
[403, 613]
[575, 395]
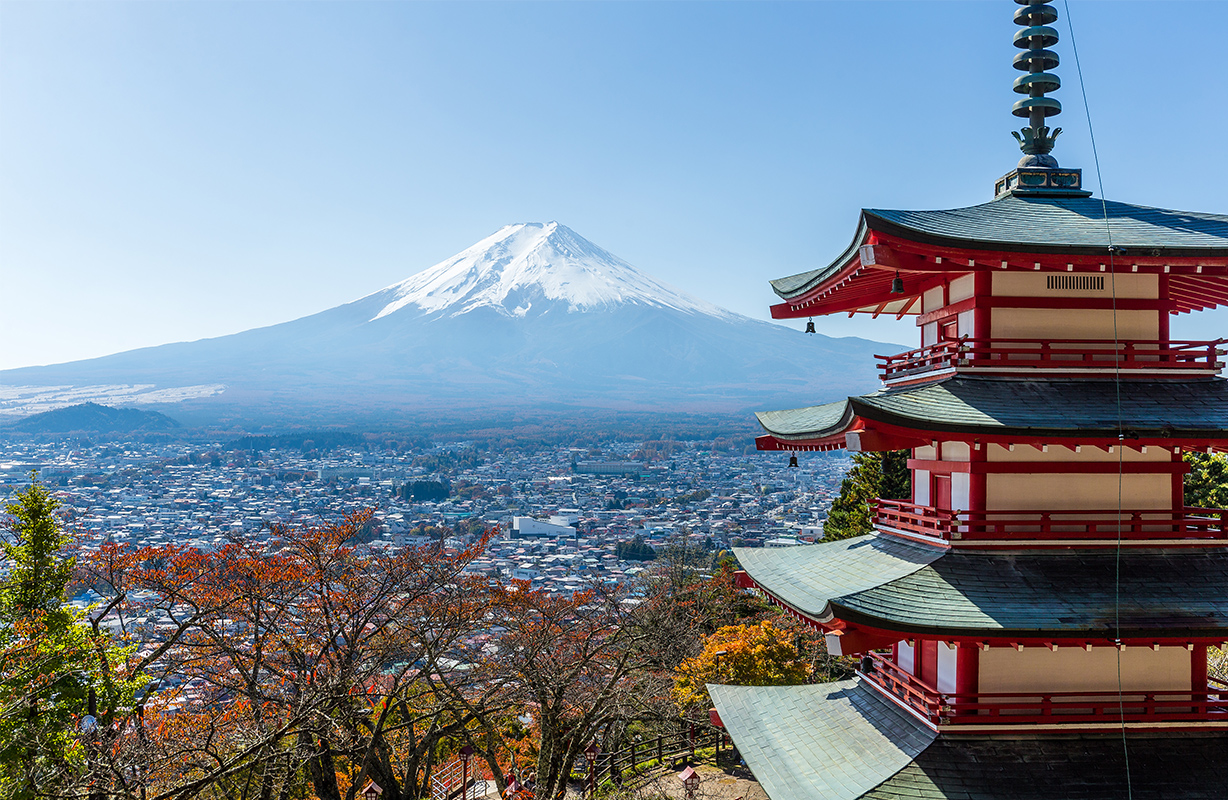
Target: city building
[1035, 622]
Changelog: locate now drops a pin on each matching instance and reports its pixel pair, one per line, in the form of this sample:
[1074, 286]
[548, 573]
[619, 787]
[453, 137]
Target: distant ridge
[95, 419]
[533, 316]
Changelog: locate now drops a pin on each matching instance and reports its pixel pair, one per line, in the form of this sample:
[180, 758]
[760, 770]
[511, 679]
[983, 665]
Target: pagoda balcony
[976, 711]
[913, 520]
[1057, 356]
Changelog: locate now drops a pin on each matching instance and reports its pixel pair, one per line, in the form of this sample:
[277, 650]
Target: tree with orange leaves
[289, 664]
[756, 654]
[571, 664]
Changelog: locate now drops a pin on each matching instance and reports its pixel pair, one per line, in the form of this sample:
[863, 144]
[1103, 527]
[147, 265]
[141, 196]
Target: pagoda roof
[1059, 225]
[835, 741]
[1032, 408]
[961, 593]
[843, 741]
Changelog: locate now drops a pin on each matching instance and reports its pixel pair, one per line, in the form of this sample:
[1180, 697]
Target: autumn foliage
[755, 654]
[301, 664]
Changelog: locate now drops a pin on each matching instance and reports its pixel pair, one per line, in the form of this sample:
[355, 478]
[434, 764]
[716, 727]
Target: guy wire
[1121, 433]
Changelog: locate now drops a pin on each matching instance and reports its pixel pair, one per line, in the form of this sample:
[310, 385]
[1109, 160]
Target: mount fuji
[534, 315]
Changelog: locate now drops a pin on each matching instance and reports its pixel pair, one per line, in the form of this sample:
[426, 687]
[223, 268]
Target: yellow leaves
[746, 655]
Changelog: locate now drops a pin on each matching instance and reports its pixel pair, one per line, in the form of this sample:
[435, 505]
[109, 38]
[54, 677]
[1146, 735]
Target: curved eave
[807, 579]
[845, 741]
[1000, 409]
[833, 741]
[879, 583]
[1010, 233]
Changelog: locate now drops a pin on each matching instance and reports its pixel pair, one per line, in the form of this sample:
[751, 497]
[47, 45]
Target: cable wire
[1121, 433]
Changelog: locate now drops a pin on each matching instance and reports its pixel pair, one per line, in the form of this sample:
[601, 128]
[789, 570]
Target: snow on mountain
[532, 316]
[529, 268]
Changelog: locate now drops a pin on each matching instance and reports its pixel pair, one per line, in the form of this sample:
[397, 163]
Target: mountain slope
[533, 314]
[95, 418]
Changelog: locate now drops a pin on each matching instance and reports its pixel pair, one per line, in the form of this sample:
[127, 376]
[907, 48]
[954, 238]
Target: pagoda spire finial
[1034, 39]
[1037, 172]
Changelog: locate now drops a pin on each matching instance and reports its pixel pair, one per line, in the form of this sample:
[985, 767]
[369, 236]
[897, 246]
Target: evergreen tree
[62, 684]
[1206, 485]
[872, 476]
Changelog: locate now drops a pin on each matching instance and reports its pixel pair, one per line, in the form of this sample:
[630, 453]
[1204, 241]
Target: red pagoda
[1034, 622]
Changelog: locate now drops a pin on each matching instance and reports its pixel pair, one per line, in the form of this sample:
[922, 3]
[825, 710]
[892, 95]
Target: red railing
[1032, 708]
[1189, 523]
[1058, 354]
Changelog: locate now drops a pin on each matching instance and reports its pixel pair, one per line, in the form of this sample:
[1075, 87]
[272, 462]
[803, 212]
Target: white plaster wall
[921, 487]
[906, 657]
[966, 322]
[947, 660]
[960, 491]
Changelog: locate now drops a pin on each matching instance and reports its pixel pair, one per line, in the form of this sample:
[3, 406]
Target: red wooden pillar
[977, 479]
[983, 287]
[967, 672]
[1198, 674]
[1178, 484]
[1164, 311]
[925, 661]
[1198, 668]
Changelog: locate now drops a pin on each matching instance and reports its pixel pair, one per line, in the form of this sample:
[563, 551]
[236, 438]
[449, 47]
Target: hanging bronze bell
[792, 461]
[810, 325]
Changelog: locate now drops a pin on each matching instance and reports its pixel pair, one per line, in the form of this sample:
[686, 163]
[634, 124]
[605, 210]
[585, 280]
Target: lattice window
[1092, 283]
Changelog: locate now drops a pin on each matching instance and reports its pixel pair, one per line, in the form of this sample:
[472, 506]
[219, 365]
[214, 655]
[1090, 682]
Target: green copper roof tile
[1162, 766]
[887, 583]
[824, 417]
[1063, 224]
[833, 741]
[842, 741]
[1055, 407]
[1069, 225]
[810, 576]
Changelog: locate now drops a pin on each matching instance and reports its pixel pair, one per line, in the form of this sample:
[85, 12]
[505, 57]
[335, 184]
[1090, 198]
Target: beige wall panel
[955, 451]
[961, 288]
[1073, 669]
[926, 453]
[932, 300]
[1056, 492]
[1023, 284]
[1087, 455]
[1072, 323]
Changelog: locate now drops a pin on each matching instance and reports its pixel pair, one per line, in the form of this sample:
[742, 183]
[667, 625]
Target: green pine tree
[1206, 485]
[873, 475]
[62, 684]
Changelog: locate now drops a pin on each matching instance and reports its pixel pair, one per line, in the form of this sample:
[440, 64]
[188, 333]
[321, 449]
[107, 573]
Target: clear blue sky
[177, 170]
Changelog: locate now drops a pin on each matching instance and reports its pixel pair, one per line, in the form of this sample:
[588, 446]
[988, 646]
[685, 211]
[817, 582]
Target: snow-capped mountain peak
[529, 268]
